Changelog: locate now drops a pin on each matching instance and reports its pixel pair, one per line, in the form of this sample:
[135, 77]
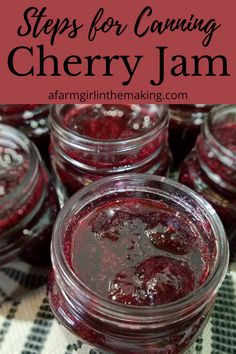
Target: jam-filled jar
[89, 142]
[31, 119]
[185, 125]
[28, 208]
[210, 169]
[137, 262]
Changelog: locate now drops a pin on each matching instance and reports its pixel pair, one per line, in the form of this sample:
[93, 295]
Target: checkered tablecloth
[27, 326]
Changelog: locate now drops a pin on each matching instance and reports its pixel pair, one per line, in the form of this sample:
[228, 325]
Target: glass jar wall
[184, 127]
[32, 120]
[89, 142]
[28, 208]
[210, 169]
[135, 268]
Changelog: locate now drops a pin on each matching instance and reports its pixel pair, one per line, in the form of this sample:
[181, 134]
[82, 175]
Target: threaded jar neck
[216, 147]
[108, 155]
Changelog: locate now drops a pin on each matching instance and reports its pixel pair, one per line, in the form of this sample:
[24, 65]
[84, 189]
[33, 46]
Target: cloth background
[27, 325]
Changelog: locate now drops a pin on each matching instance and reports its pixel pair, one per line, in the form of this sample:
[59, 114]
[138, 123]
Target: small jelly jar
[210, 169]
[89, 142]
[184, 127]
[137, 262]
[28, 208]
[32, 120]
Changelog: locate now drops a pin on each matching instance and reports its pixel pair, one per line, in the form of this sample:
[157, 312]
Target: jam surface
[110, 122]
[106, 128]
[138, 252]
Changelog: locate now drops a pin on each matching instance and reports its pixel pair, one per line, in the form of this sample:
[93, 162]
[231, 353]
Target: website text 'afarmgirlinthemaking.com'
[110, 96]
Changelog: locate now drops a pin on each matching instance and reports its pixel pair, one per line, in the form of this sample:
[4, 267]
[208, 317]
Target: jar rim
[164, 310]
[73, 137]
[220, 110]
[21, 140]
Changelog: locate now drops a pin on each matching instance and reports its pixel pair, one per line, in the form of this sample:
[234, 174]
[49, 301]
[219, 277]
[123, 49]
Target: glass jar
[210, 169]
[185, 125]
[89, 142]
[28, 208]
[32, 120]
[137, 261]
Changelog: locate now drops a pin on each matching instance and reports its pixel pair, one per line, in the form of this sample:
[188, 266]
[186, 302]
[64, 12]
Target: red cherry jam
[89, 142]
[28, 207]
[32, 120]
[211, 168]
[185, 125]
[138, 252]
[108, 122]
[135, 268]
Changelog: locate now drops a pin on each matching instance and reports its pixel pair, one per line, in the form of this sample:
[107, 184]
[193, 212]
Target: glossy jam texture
[138, 252]
[111, 122]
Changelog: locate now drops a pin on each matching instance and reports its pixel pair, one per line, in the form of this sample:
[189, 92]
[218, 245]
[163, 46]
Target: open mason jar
[32, 120]
[89, 142]
[210, 169]
[185, 125]
[137, 262]
[28, 208]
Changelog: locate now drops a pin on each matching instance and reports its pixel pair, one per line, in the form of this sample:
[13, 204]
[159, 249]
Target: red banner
[127, 51]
